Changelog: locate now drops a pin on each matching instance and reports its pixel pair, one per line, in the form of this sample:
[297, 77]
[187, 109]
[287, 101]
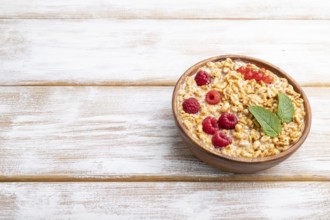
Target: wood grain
[292, 200]
[153, 52]
[124, 133]
[116, 149]
[166, 9]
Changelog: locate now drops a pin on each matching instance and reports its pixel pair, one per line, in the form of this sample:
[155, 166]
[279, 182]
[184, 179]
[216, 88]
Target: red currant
[241, 70]
[267, 79]
[258, 75]
[248, 75]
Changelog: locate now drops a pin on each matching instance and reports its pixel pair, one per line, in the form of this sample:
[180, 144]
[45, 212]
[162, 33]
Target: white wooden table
[86, 130]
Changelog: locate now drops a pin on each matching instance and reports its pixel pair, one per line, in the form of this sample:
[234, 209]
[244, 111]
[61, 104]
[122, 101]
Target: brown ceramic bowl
[234, 164]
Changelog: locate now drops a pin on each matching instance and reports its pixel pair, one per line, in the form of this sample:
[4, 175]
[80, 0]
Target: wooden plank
[124, 134]
[153, 52]
[166, 9]
[281, 200]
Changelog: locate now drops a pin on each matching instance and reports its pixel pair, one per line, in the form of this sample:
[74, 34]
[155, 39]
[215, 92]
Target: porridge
[238, 109]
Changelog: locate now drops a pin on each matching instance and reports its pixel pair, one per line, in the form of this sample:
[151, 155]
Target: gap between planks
[122, 84]
[166, 9]
[232, 178]
[167, 18]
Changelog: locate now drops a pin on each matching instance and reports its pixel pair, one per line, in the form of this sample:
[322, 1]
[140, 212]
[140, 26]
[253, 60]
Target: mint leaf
[269, 122]
[285, 108]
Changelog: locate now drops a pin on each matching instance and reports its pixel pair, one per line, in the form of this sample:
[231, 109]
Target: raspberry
[191, 106]
[267, 79]
[210, 125]
[202, 78]
[213, 97]
[219, 139]
[227, 121]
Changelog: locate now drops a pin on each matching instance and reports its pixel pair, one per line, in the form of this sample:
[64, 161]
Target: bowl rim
[276, 70]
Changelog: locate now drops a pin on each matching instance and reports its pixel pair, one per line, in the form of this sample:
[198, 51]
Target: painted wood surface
[125, 133]
[153, 52]
[166, 9]
[72, 149]
[291, 200]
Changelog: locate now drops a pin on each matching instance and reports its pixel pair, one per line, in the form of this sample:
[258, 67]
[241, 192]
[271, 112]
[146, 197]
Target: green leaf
[269, 121]
[285, 108]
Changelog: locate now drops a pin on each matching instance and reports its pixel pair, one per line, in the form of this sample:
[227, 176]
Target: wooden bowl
[235, 164]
